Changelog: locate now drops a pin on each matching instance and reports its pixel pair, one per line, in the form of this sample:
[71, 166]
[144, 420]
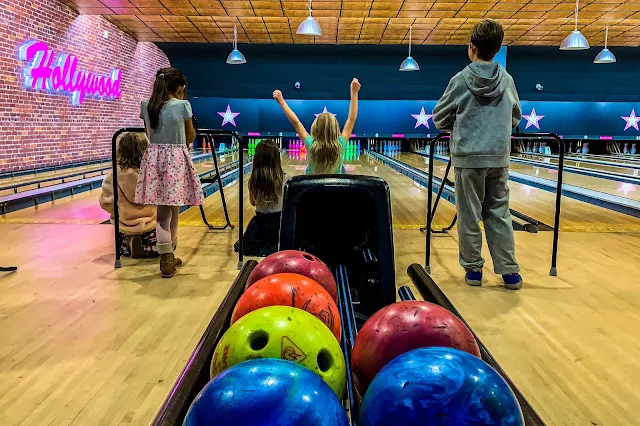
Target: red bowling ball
[402, 327]
[297, 262]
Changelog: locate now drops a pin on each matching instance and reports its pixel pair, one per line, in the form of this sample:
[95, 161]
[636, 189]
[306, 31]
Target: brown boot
[167, 265]
[137, 249]
[177, 261]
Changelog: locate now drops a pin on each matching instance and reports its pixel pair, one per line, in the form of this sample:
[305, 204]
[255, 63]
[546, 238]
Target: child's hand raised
[277, 95]
[355, 86]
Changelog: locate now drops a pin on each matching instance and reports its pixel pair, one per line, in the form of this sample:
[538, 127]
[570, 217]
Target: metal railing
[556, 223]
[210, 133]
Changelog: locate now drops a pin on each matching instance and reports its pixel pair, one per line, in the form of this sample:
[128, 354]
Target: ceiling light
[575, 40]
[605, 56]
[309, 26]
[235, 57]
[409, 64]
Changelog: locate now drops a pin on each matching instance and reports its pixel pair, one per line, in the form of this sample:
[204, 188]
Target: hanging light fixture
[605, 56]
[309, 26]
[409, 64]
[235, 57]
[575, 40]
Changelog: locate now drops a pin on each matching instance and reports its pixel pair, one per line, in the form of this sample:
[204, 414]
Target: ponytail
[167, 83]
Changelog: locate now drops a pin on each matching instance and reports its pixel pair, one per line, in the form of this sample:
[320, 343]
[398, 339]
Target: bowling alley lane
[82, 208]
[607, 186]
[408, 199]
[626, 168]
[8, 180]
[540, 204]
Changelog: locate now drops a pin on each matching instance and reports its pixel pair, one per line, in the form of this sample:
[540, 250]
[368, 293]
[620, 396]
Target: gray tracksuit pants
[483, 195]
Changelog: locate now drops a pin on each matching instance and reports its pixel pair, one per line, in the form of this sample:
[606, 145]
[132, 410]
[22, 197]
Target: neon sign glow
[62, 76]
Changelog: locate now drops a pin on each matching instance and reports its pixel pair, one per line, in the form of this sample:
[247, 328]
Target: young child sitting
[480, 108]
[326, 144]
[137, 221]
[266, 184]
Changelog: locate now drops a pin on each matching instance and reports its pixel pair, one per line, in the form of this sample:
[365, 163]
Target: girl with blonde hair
[326, 143]
[137, 221]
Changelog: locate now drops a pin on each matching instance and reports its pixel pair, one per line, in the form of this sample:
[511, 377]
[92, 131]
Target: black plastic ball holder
[344, 220]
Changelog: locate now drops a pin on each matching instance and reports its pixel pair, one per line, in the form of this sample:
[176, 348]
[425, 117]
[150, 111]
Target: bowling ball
[439, 386]
[293, 290]
[266, 392]
[401, 327]
[297, 262]
[287, 333]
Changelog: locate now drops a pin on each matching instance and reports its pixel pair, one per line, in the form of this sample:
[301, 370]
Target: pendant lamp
[235, 57]
[575, 40]
[409, 64]
[309, 26]
[605, 56]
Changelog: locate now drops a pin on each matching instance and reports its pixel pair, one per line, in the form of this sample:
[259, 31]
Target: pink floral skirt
[168, 178]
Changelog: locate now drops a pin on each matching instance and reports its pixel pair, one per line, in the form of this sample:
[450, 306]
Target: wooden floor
[570, 343]
[84, 344]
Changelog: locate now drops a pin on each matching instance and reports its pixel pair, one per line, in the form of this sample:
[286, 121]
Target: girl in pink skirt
[167, 176]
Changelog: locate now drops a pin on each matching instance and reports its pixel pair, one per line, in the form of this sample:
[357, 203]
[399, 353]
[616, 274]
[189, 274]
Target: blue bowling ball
[439, 386]
[266, 392]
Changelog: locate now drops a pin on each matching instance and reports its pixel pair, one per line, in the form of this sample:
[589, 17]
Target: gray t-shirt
[170, 130]
[273, 207]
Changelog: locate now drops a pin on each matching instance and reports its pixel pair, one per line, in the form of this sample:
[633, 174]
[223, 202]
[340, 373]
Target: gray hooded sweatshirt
[480, 108]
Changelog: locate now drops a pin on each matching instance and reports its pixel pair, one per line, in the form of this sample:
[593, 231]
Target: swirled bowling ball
[266, 392]
[439, 386]
[287, 333]
[401, 327]
[293, 290]
[296, 262]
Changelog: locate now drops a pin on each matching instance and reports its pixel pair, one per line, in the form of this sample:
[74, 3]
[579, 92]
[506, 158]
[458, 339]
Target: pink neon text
[62, 75]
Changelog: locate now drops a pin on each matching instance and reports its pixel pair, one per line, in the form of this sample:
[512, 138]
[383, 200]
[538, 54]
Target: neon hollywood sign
[62, 75]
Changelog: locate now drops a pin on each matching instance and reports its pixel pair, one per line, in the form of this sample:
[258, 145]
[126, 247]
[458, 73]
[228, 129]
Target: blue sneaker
[473, 278]
[512, 281]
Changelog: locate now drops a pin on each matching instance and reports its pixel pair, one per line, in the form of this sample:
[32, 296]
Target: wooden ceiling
[526, 22]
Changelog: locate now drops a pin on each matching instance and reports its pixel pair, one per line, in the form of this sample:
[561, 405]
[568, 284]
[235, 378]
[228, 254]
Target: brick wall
[38, 128]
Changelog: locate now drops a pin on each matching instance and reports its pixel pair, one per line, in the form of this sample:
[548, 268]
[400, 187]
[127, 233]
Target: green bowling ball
[287, 333]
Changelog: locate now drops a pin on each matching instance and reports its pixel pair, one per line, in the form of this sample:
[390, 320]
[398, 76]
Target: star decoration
[632, 120]
[422, 119]
[324, 111]
[533, 119]
[228, 116]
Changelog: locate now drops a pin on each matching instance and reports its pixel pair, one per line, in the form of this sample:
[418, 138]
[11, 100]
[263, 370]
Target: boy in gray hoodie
[480, 108]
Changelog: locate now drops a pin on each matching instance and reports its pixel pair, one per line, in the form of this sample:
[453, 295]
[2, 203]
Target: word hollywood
[62, 76]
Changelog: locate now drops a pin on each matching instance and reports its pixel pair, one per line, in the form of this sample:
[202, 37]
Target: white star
[228, 116]
[422, 119]
[533, 119]
[324, 111]
[632, 120]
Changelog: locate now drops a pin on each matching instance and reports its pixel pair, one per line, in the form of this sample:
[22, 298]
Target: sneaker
[512, 281]
[473, 278]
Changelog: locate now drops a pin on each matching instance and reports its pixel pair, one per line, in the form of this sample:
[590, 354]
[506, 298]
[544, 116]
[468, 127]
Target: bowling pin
[625, 149]
[633, 148]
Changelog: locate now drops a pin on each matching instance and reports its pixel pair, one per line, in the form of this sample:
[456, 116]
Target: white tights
[167, 228]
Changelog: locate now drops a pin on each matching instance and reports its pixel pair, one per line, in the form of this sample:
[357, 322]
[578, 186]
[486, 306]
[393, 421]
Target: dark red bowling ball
[296, 262]
[402, 327]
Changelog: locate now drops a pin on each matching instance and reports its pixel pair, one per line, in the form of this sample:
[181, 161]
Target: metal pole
[240, 201]
[427, 262]
[116, 214]
[556, 222]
